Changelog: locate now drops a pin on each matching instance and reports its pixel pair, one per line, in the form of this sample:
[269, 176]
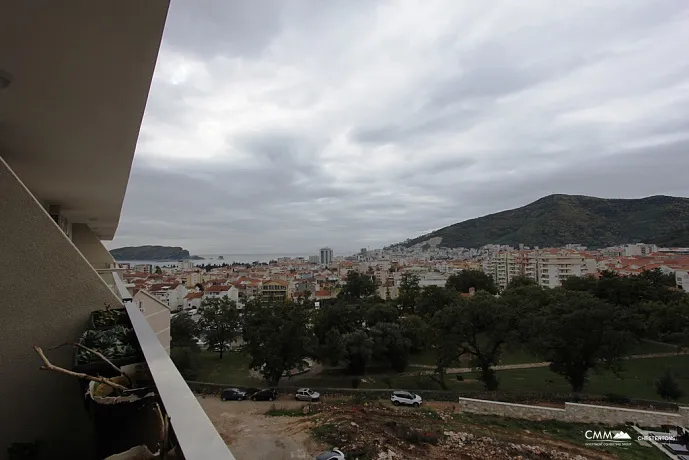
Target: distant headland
[157, 253]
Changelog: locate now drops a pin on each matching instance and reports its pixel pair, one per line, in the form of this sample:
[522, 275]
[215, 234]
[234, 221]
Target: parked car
[232, 394]
[405, 397]
[306, 394]
[267, 394]
[335, 454]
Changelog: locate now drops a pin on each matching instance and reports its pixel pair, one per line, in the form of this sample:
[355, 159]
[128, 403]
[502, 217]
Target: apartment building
[171, 294]
[75, 79]
[276, 289]
[549, 267]
[682, 277]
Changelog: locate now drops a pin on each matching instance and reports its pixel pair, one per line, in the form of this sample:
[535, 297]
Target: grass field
[518, 355]
[637, 379]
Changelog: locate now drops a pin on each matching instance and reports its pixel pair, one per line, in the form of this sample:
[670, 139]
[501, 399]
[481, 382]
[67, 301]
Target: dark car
[268, 394]
[232, 394]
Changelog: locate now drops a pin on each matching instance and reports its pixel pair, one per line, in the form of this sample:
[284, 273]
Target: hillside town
[186, 285]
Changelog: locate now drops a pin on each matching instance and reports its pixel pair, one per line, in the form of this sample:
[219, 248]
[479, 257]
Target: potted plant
[117, 344]
[108, 317]
[124, 409]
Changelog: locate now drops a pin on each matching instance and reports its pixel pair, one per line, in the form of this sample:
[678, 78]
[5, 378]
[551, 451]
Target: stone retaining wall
[577, 413]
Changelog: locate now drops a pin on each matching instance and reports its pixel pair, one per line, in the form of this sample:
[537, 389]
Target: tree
[416, 330]
[359, 285]
[409, 292]
[433, 299]
[666, 322]
[467, 279]
[330, 323]
[578, 333]
[667, 387]
[186, 359]
[484, 324]
[521, 281]
[277, 336]
[446, 342]
[359, 350]
[158, 270]
[389, 345]
[183, 330]
[219, 323]
[526, 303]
[381, 313]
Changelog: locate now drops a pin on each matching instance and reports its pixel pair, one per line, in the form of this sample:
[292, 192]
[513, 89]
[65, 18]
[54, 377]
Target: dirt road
[252, 435]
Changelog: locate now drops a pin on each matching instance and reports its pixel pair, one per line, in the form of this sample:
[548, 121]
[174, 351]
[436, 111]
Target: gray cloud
[283, 126]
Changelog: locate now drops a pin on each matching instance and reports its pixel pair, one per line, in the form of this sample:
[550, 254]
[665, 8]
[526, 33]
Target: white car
[306, 394]
[405, 397]
[335, 454]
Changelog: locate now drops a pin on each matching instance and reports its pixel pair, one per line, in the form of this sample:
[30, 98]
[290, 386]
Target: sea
[214, 259]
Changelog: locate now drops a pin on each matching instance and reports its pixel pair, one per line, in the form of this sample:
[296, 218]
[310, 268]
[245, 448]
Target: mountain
[556, 220]
[161, 253]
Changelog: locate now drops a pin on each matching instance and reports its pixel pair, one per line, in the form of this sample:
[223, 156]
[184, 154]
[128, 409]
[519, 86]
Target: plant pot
[123, 422]
[122, 319]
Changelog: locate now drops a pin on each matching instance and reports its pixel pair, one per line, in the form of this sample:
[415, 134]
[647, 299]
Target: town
[184, 286]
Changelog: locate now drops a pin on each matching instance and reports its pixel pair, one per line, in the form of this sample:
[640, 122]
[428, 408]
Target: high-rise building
[326, 256]
[71, 115]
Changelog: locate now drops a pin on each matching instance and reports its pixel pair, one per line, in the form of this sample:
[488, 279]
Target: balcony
[190, 432]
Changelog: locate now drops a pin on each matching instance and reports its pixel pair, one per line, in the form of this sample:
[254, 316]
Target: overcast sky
[283, 126]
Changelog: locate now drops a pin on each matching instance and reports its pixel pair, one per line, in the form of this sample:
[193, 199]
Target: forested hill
[162, 253]
[556, 220]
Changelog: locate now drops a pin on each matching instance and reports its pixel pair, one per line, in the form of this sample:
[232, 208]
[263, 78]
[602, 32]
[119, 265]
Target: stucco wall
[577, 413]
[48, 290]
[91, 247]
[157, 314]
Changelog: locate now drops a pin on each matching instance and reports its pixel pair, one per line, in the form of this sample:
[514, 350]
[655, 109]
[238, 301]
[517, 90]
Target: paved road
[504, 367]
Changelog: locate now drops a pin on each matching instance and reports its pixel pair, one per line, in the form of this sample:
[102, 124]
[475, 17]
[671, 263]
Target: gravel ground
[253, 436]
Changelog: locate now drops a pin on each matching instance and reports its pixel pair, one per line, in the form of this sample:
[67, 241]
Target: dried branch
[48, 366]
[100, 355]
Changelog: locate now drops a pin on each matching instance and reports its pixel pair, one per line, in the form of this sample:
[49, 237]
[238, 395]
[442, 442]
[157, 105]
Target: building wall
[577, 413]
[91, 247]
[48, 290]
[157, 314]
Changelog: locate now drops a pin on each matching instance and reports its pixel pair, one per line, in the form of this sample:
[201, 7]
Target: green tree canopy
[433, 299]
[409, 292]
[381, 313]
[416, 330]
[183, 330]
[358, 285]
[220, 323]
[390, 345]
[358, 350]
[467, 279]
[578, 333]
[277, 336]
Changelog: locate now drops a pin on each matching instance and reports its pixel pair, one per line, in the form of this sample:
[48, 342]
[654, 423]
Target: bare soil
[376, 431]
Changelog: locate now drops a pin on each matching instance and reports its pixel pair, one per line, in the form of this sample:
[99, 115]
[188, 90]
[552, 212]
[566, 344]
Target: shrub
[667, 387]
[387, 381]
[459, 378]
[356, 381]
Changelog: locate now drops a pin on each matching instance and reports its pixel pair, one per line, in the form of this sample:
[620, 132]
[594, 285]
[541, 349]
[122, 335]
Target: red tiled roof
[193, 295]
